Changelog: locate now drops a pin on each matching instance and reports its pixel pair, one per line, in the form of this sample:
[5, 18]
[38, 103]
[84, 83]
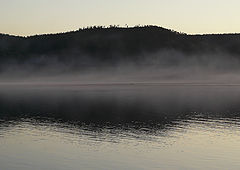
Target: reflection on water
[120, 127]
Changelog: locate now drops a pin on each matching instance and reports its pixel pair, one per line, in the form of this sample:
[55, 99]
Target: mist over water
[165, 66]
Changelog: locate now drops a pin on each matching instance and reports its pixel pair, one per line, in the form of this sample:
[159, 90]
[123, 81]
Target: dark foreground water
[134, 126]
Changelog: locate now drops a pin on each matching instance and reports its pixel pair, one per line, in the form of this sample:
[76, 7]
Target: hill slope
[98, 47]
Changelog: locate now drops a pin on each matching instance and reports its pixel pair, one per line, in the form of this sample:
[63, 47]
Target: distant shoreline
[113, 84]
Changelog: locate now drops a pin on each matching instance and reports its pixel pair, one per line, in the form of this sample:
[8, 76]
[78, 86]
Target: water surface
[120, 126]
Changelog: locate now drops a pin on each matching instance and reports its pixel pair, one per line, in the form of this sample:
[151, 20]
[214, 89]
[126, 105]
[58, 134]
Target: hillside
[110, 45]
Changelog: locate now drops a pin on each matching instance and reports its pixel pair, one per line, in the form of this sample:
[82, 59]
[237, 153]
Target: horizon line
[115, 27]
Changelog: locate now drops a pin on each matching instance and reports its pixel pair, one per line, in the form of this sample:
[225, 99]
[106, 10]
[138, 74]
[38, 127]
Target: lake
[119, 126]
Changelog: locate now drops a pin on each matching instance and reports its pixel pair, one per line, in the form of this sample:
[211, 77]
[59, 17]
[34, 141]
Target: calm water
[119, 127]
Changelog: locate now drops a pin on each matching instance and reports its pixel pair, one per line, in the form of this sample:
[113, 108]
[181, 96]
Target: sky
[31, 17]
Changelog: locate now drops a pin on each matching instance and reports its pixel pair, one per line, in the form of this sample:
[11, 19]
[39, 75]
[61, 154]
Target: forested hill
[113, 44]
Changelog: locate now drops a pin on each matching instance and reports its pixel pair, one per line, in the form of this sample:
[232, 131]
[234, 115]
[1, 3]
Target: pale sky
[29, 17]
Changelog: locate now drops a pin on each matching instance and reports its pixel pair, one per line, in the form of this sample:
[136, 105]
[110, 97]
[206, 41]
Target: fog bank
[164, 66]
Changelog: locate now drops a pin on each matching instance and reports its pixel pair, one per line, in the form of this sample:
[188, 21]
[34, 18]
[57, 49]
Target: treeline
[112, 44]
